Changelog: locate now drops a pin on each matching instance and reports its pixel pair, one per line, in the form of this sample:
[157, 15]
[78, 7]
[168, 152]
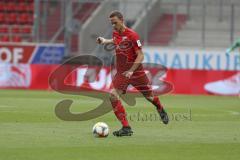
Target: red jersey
[126, 45]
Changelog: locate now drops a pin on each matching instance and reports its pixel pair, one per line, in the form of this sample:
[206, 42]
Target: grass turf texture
[202, 127]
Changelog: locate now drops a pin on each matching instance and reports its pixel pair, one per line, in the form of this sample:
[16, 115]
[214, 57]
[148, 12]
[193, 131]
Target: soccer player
[129, 71]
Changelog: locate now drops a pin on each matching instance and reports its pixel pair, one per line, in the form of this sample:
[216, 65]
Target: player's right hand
[100, 40]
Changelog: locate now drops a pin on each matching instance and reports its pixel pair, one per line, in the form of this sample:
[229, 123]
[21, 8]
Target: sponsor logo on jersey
[139, 43]
[124, 38]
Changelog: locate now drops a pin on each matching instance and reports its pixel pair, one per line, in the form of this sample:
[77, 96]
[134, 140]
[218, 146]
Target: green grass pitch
[201, 128]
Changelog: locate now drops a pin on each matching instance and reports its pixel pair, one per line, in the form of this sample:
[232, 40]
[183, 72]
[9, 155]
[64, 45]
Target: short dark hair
[116, 14]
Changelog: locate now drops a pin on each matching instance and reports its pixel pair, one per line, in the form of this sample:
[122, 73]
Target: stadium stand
[210, 26]
[162, 32]
[16, 20]
[82, 15]
[81, 12]
[215, 27]
[161, 29]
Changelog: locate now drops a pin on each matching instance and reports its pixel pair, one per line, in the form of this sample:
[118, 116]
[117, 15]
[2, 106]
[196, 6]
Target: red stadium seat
[10, 7]
[16, 38]
[21, 7]
[2, 7]
[23, 19]
[30, 19]
[15, 29]
[26, 29]
[30, 7]
[11, 18]
[4, 38]
[4, 29]
[2, 18]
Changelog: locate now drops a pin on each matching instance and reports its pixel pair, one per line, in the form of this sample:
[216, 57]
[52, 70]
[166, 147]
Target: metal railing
[177, 23]
[60, 21]
[192, 23]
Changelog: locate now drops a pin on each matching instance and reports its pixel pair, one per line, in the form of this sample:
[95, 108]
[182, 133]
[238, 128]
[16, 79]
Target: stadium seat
[26, 29]
[16, 38]
[30, 19]
[2, 18]
[15, 29]
[4, 29]
[162, 33]
[11, 18]
[2, 7]
[21, 7]
[4, 38]
[30, 7]
[23, 18]
[10, 7]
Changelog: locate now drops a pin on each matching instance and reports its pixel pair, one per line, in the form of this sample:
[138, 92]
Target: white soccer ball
[100, 129]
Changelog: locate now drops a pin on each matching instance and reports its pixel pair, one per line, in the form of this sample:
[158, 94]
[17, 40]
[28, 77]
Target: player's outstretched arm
[101, 40]
[137, 62]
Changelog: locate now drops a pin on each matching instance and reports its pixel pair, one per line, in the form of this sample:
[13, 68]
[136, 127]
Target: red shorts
[139, 80]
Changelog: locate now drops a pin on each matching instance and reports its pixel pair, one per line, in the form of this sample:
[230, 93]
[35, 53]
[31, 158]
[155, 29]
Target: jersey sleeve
[137, 45]
[113, 37]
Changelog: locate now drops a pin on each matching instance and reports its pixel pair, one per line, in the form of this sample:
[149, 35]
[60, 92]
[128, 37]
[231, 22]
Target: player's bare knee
[113, 96]
[149, 98]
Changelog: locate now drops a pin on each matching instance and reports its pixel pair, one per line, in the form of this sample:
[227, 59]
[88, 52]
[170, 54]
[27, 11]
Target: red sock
[120, 112]
[157, 103]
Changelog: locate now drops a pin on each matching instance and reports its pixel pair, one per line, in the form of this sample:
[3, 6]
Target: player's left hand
[128, 74]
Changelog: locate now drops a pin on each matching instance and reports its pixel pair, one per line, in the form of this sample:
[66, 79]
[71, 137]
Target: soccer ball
[100, 129]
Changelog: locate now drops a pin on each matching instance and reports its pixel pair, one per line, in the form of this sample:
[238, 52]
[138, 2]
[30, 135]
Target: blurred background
[189, 37]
